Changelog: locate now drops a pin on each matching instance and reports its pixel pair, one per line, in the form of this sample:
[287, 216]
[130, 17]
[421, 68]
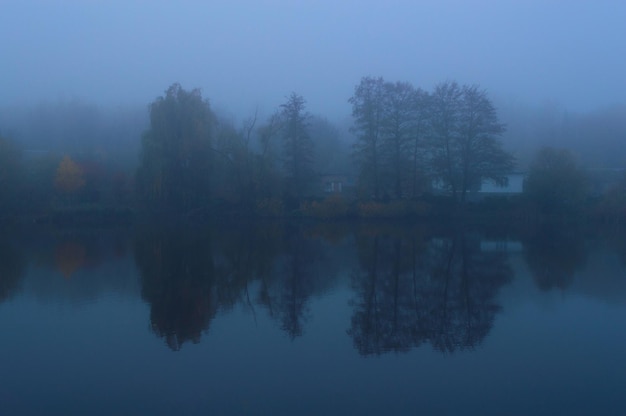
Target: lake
[313, 319]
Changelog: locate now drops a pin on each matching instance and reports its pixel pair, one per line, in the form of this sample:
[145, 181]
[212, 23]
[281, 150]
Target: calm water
[313, 320]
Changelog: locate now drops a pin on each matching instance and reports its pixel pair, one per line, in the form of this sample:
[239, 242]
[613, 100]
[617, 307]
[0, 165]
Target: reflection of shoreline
[77, 267]
[411, 285]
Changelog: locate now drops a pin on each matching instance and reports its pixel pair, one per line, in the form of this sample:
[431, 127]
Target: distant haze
[247, 54]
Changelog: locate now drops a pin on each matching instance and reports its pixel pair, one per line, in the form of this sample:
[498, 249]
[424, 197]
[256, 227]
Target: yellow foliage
[69, 176]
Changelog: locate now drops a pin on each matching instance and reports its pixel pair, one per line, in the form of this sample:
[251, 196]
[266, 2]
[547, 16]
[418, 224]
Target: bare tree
[465, 145]
[368, 112]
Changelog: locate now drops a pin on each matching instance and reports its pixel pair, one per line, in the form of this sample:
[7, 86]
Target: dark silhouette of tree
[247, 252]
[269, 181]
[187, 276]
[410, 293]
[294, 284]
[10, 172]
[383, 319]
[11, 270]
[403, 133]
[554, 252]
[368, 108]
[555, 182]
[481, 152]
[176, 155]
[399, 131]
[420, 129]
[298, 146]
[445, 121]
[177, 281]
[465, 145]
[465, 281]
[297, 274]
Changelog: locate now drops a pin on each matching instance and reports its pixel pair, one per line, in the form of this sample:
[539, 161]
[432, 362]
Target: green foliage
[176, 159]
[555, 182]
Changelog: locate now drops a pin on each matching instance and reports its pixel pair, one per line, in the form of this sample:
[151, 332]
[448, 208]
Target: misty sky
[249, 53]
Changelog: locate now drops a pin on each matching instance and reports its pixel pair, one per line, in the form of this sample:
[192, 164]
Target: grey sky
[246, 53]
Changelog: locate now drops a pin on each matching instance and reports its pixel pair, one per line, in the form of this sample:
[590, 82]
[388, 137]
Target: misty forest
[405, 152]
[312, 208]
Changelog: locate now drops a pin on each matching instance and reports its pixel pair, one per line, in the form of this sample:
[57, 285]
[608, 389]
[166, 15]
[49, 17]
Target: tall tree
[444, 117]
[12, 269]
[176, 158]
[368, 104]
[177, 277]
[9, 172]
[267, 177]
[480, 147]
[398, 130]
[419, 130]
[298, 146]
[465, 145]
[555, 183]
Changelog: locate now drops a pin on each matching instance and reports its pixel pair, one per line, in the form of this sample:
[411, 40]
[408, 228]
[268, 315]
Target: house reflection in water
[335, 184]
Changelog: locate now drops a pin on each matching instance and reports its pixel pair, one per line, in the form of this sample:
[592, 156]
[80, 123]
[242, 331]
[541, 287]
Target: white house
[514, 185]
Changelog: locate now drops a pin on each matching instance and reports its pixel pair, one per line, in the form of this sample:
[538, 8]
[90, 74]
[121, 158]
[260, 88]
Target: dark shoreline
[471, 215]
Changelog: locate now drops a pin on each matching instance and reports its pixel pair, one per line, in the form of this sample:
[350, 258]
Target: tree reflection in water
[554, 252]
[177, 273]
[187, 276]
[411, 285]
[294, 281]
[11, 270]
[409, 292]
[69, 257]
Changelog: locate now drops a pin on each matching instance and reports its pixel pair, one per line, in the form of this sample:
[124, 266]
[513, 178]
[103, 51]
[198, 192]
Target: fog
[251, 54]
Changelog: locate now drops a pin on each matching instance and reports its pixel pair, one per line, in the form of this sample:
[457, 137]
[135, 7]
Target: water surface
[287, 319]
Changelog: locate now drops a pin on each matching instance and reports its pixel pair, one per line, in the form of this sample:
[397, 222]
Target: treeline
[405, 139]
[413, 152]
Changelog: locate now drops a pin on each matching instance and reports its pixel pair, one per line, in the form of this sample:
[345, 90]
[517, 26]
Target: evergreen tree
[298, 146]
